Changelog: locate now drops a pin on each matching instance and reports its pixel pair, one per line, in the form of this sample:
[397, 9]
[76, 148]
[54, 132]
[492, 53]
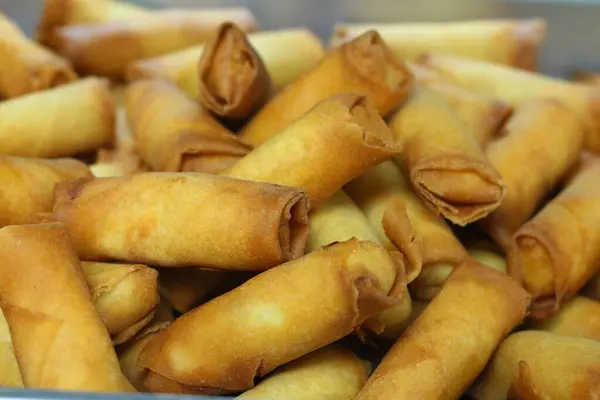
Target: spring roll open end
[230, 70]
[295, 227]
[372, 60]
[529, 35]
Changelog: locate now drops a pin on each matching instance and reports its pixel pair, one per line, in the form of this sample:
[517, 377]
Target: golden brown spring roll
[579, 317]
[125, 296]
[558, 250]
[26, 66]
[487, 253]
[275, 317]
[516, 87]
[184, 288]
[63, 121]
[174, 133]
[57, 13]
[130, 352]
[27, 188]
[107, 49]
[400, 219]
[184, 219]
[283, 66]
[59, 339]
[541, 365]
[545, 136]
[503, 41]
[444, 162]
[484, 115]
[10, 374]
[300, 155]
[328, 373]
[234, 82]
[449, 344]
[364, 65]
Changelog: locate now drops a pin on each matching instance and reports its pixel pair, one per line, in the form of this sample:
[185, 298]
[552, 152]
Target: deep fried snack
[579, 317]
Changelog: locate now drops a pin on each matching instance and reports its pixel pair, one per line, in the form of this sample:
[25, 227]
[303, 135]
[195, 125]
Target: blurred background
[573, 39]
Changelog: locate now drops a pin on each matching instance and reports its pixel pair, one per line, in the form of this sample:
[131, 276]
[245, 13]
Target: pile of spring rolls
[190, 205]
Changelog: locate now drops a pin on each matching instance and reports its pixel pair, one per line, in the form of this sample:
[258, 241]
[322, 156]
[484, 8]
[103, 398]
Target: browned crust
[55, 13]
[528, 36]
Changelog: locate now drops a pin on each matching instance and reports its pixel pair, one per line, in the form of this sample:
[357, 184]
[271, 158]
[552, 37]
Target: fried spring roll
[129, 354]
[10, 374]
[300, 155]
[445, 164]
[184, 288]
[511, 42]
[174, 133]
[328, 373]
[125, 295]
[107, 49]
[546, 136]
[234, 82]
[184, 219]
[283, 66]
[449, 344]
[579, 317]
[541, 365]
[26, 66]
[400, 219]
[59, 339]
[27, 188]
[57, 13]
[275, 317]
[60, 122]
[558, 250]
[516, 87]
[483, 115]
[364, 65]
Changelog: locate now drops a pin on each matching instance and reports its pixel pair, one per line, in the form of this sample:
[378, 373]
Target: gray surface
[574, 26]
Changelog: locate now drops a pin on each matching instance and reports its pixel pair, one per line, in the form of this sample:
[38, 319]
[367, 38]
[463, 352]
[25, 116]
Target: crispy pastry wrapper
[516, 87]
[125, 295]
[558, 250]
[401, 220]
[328, 373]
[27, 189]
[184, 288]
[275, 317]
[67, 120]
[446, 165]
[484, 115]
[502, 41]
[273, 47]
[579, 317]
[10, 374]
[107, 49]
[26, 66]
[541, 365]
[130, 352]
[449, 344]
[174, 133]
[58, 337]
[547, 137]
[364, 65]
[184, 219]
[300, 155]
[234, 82]
[57, 13]
[590, 78]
